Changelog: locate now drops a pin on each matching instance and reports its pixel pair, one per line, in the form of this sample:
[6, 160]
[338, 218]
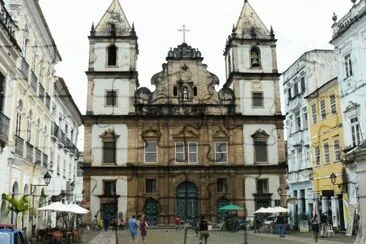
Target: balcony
[4, 130]
[297, 138]
[38, 156]
[24, 68]
[62, 138]
[45, 161]
[29, 151]
[41, 92]
[19, 146]
[8, 23]
[34, 82]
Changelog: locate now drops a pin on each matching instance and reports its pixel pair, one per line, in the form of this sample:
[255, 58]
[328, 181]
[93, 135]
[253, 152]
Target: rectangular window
[192, 152]
[221, 185]
[317, 155]
[302, 82]
[305, 118]
[260, 148]
[262, 186]
[297, 121]
[150, 185]
[221, 152]
[323, 109]
[151, 152]
[2, 92]
[109, 187]
[257, 99]
[109, 152]
[179, 152]
[337, 150]
[348, 65]
[289, 93]
[313, 111]
[296, 88]
[355, 132]
[333, 105]
[111, 98]
[326, 153]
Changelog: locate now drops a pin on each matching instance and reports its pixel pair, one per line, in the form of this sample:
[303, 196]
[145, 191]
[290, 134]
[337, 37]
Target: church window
[151, 151]
[175, 91]
[109, 187]
[111, 97]
[257, 99]
[260, 138]
[195, 91]
[355, 132]
[109, 140]
[221, 185]
[112, 55]
[348, 65]
[255, 57]
[221, 152]
[186, 152]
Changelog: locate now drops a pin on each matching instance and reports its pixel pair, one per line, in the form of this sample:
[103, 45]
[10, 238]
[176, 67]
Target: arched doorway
[15, 193]
[187, 200]
[223, 201]
[151, 211]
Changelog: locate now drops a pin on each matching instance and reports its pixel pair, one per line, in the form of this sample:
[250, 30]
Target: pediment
[220, 133]
[187, 131]
[260, 134]
[151, 132]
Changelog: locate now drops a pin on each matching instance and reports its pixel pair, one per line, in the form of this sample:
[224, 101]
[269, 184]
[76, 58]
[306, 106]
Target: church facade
[184, 148]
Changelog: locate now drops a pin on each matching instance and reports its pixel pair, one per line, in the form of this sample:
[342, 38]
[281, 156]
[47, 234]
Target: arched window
[260, 138]
[255, 57]
[112, 55]
[19, 118]
[29, 126]
[109, 141]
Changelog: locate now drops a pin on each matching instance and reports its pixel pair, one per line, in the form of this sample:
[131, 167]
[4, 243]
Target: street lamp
[47, 179]
[333, 178]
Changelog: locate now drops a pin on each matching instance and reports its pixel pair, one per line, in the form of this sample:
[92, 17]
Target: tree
[19, 206]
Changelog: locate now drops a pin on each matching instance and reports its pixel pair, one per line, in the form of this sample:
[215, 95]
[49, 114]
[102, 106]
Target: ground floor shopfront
[161, 194]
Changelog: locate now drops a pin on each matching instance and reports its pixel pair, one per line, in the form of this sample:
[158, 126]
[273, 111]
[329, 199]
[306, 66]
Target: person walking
[315, 226]
[177, 223]
[134, 228]
[281, 222]
[256, 223]
[203, 230]
[121, 224]
[143, 229]
[323, 225]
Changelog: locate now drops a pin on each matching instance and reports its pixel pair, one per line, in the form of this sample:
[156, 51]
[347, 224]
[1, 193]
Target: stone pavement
[107, 237]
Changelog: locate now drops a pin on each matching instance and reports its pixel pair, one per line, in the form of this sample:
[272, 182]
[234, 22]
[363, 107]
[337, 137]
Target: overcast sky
[299, 26]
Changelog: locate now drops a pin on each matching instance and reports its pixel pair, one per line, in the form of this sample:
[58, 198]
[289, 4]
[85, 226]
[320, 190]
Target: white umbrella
[55, 206]
[264, 210]
[74, 208]
[279, 209]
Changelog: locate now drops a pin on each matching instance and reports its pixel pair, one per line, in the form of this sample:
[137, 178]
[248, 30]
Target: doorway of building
[151, 211]
[109, 209]
[187, 200]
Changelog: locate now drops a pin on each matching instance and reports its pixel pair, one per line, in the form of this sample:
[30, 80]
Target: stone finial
[133, 32]
[271, 32]
[92, 30]
[353, 1]
[334, 17]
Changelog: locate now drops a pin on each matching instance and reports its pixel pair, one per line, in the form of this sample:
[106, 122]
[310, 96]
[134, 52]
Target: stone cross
[184, 30]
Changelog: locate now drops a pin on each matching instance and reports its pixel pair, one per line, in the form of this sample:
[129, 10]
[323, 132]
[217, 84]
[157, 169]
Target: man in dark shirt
[203, 230]
[281, 222]
[323, 225]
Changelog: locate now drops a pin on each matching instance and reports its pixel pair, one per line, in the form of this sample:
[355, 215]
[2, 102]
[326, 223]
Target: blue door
[187, 200]
[151, 211]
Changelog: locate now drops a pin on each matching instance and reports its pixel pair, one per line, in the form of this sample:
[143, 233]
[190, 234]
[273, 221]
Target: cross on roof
[184, 30]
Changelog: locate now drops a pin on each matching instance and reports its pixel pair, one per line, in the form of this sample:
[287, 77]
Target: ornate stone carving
[143, 96]
[256, 85]
[226, 95]
[183, 51]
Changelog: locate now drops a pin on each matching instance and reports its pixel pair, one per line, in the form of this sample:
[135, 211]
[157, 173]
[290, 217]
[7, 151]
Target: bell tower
[251, 65]
[112, 74]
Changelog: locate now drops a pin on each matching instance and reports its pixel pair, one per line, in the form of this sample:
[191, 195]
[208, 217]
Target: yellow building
[326, 141]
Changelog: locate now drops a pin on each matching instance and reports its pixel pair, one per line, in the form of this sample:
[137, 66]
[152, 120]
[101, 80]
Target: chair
[57, 235]
[76, 235]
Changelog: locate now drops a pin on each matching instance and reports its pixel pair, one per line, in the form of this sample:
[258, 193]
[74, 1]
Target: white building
[349, 41]
[310, 71]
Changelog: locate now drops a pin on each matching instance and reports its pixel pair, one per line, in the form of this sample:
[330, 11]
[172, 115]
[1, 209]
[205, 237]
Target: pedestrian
[121, 224]
[281, 224]
[203, 230]
[315, 226]
[134, 228]
[143, 229]
[256, 223]
[177, 223]
[323, 225]
[107, 221]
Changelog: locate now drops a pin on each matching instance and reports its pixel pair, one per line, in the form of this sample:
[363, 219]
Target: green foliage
[18, 205]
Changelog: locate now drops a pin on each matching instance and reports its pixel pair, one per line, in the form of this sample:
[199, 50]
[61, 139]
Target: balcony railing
[41, 92]
[38, 156]
[62, 137]
[34, 82]
[7, 22]
[19, 146]
[55, 130]
[48, 101]
[24, 68]
[4, 129]
[45, 161]
[29, 152]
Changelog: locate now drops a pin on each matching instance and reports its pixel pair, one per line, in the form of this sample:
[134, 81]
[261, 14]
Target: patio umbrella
[231, 207]
[55, 206]
[74, 208]
[279, 209]
[265, 210]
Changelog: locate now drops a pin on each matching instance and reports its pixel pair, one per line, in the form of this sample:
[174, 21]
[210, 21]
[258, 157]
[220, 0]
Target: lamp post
[333, 178]
[47, 179]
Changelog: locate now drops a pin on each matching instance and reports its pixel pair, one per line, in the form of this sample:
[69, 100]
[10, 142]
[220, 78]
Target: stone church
[185, 148]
